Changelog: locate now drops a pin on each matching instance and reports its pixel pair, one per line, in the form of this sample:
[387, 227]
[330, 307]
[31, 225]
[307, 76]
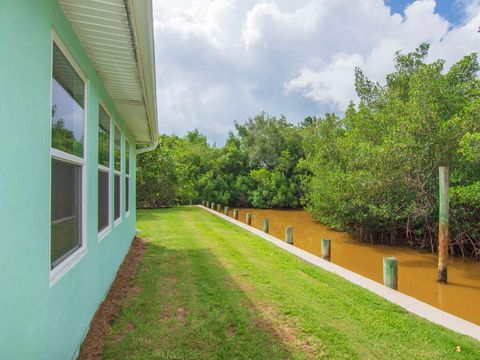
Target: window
[127, 158]
[127, 195]
[127, 178]
[66, 210]
[103, 138]
[103, 200]
[117, 152]
[67, 165]
[116, 186]
[103, 170]
[118, 149]
[68, 106]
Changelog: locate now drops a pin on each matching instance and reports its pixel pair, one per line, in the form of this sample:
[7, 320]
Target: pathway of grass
[207, 289]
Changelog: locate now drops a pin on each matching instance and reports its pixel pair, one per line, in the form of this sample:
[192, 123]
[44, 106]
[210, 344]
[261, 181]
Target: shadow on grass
[190, 307]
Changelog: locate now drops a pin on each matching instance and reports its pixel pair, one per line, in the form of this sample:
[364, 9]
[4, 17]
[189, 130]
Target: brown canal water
[417, 272]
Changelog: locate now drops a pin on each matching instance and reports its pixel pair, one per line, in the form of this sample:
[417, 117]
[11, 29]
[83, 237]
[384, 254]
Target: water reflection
[417, 272]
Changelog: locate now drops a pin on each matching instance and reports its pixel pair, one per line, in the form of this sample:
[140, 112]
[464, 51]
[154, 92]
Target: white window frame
[127, 179]
[102, 234]
[116, 222]
[69, 262]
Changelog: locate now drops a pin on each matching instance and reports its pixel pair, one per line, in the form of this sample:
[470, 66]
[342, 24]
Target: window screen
[117, 196]
[127, 194]
[66, 214]
[103, 200]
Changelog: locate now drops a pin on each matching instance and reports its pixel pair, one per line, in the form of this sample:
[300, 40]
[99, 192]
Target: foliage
[64, 139]
[256, 167]
[157, 179]
[375, 172]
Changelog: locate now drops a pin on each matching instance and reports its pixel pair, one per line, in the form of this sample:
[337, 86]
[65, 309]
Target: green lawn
[207, 289]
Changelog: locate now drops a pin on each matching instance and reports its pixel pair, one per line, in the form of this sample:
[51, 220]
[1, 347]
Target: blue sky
[218, 61]
[452, 10]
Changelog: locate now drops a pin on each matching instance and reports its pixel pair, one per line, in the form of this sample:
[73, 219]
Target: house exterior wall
[38, 319]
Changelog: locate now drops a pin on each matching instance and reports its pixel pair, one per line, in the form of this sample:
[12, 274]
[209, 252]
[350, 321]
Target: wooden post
[225, 210]
[443, 208]
[219, 206]
[326, 249]
[207, 204]
[203, 202]
[390, 272]
[212, 206]
[266, 225]
[249, 219]
[289, 235]
[235, 214]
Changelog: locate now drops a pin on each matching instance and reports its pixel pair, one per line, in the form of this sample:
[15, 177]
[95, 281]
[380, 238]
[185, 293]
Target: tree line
[259, 165]
[372, 172]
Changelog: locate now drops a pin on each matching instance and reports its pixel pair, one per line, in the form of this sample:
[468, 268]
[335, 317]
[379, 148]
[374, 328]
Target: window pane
[127, 194]
[103, 138]
[103, 200]
[66, 226]
[118, 148]
[117, 196]
[68, 114]
[127, 157]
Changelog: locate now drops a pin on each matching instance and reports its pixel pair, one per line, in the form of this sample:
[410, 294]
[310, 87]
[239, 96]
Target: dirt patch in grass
[119, 337]
[270, 318]
[181, 313]
[122, 287]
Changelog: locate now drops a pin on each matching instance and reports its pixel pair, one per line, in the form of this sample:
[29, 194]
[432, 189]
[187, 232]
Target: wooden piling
[225, 210]
[207, 204]
[219, 207]
[390, 272]
[235, 214]
[212, 206]
[266, 225]
[249, 219]
[443, 210]
[289, 235]
[326, 249]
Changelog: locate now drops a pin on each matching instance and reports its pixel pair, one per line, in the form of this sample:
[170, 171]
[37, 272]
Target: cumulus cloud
[225, 60]
[331, 86]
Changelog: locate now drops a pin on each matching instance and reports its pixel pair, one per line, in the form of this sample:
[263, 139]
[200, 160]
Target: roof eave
[141, 18]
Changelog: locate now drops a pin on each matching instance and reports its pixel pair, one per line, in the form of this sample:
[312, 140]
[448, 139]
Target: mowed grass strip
[207, 289]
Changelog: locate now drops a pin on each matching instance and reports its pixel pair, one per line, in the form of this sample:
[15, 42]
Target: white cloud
[225, 60]
[333, 83]
[331, 86]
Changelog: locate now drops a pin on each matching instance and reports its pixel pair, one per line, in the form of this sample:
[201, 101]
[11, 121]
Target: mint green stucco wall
[39, 321]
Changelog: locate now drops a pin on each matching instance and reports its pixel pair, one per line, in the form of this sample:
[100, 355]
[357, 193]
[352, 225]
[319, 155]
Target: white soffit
[118, 37]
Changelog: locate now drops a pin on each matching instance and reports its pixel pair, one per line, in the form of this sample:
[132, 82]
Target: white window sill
[117, 222]
[127, 214]
[58, 272]
[103, 234]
